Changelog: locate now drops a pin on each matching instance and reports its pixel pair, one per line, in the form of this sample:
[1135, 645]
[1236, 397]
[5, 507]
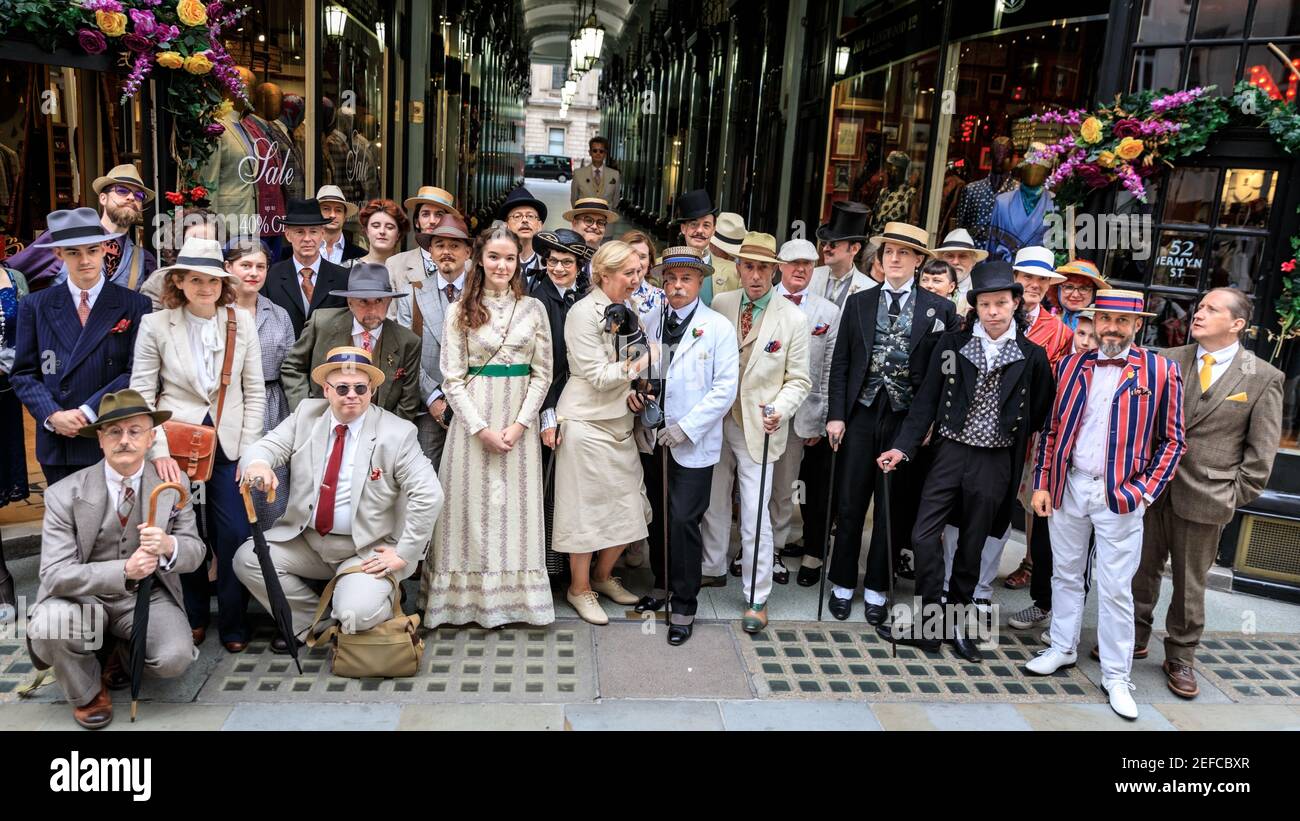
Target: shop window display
[353, 95]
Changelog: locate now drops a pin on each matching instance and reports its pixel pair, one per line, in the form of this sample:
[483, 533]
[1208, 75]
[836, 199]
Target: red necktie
[746, 321]
[83, 309]
[452, 293]
[367, 341]
[1112, 362]
[325, 505]
[795, 298]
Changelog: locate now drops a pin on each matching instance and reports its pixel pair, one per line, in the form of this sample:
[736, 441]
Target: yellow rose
[170, 59]
[198, 63]
[1129, 148]
[1107, 159]
[1090, 130]
[112, 23]
[192, 13]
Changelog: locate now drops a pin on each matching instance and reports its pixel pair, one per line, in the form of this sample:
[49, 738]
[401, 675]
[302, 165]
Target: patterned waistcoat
[981, 429]
[891, 356]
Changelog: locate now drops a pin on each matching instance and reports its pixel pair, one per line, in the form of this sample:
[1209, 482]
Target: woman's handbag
[194, 446]
[389, 650]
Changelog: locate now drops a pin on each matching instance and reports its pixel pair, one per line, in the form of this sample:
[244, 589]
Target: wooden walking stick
[144, 590]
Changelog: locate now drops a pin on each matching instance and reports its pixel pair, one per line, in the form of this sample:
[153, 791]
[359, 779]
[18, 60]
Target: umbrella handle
[245, 490]
[153, 499]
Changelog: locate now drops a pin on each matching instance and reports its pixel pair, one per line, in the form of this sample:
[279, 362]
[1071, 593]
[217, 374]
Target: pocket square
[1237, 397]
[939, 327]
[821, 329]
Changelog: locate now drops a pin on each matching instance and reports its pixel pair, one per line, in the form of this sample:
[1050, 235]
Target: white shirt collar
[93, 290]
[117, 480]
[685, 310]
[459, 282]
[1220, 356]
[298, 266]
[357, 330]
[904, 291]
[354, 427]
[781, 290]
[1007, 336]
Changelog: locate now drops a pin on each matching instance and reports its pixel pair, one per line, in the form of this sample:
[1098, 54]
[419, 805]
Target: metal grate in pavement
[1260, 668]
[544, 664]
[814, 661]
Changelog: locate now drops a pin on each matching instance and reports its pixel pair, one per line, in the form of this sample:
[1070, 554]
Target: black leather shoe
[649, 603]
[735, 567]
[876, 614]
[780, 573]
[808, 577]
[904, 569]
[966, 649]
[840, 608]
[904, 637]
[678, 634]
[792, 551]
[713, 581]
[281, 647]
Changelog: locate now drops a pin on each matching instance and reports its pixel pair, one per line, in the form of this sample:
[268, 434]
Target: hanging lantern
[336, 19]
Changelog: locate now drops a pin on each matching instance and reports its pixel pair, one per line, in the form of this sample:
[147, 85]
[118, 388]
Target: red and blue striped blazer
[1146, 428]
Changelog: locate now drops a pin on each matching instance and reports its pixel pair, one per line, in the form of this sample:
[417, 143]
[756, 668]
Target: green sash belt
[502, 370]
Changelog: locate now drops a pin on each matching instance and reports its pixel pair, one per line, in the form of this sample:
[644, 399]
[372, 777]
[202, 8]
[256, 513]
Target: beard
[1111, 349]
[126, 215]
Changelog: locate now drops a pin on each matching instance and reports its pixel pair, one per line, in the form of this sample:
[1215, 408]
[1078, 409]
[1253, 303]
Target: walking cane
[889, 550]
[826, 545]
[768, 410]
[663, 472]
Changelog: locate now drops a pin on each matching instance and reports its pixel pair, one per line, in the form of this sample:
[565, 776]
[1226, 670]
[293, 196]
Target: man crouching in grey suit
[95, 549]
[363, 494]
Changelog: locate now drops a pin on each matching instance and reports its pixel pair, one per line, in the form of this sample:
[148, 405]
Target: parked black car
[549, 167]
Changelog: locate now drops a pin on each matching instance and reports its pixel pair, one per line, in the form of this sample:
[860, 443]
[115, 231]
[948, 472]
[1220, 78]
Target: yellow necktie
[1206, 370]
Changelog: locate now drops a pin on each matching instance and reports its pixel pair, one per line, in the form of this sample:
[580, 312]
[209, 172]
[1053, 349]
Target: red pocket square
[821, 329]
[375, 473]
[121, 326]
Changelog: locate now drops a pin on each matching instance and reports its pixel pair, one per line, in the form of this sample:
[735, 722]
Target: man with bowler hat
[525, 215]
[305, 281]
[840, 241]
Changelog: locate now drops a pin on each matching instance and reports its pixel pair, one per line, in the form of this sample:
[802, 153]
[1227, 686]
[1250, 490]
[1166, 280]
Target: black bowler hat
[303, 214]
[565, 240]
[694, 205]
[992, 275]
[848, 222]
[521, 196]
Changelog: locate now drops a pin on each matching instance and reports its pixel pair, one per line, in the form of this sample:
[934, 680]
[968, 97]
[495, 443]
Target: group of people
[494, 410]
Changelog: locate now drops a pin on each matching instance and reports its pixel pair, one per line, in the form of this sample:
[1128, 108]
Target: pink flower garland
[1179, 98]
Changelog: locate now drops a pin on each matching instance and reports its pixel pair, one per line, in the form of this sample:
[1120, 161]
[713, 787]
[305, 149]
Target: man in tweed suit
[1233, 416]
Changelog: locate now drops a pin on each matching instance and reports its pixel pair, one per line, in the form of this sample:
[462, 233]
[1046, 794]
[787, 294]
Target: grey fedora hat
[368, 280]
[69, 229]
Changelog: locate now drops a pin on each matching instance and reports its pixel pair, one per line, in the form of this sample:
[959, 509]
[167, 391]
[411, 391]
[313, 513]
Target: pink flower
[1179, 98]
[214, 129]
[143, 22]
[1288, 266]
[91, 41]
[1127, 127]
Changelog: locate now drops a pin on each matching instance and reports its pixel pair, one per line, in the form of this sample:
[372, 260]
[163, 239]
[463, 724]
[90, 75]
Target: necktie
[307, 288]
[83, 307]
[895, 304]
[325, 505]
[795, 298]
[596, 178]
[674, 322]
[746, 321]
[1112, 362]
[452, 293]
[367, 341]
[570, 297]
[1207, 370]
[125, 504]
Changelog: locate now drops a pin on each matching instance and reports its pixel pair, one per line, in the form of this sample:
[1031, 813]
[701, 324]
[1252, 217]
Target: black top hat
[303, 214]
[521, 196]
[693, 205]
[563, 239]
[992, 275]
[848, 222]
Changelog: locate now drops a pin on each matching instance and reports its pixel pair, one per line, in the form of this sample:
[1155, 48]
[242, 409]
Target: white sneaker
[1120, 699]
[1049, 661]
[1046, 637]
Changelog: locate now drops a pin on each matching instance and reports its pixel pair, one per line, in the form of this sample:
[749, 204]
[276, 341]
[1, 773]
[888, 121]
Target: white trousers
[717, 521]
[990, 560]
[785, 487]
[1118, 551]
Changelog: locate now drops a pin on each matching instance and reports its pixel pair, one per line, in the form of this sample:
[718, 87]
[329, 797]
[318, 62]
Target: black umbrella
[826, 547]
[278, 604]
[140, 621]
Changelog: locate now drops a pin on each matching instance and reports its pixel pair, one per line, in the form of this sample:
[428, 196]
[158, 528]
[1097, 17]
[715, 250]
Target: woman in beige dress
[487, 563]
[597, 458]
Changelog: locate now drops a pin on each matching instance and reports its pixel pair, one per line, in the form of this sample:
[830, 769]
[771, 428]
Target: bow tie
[795, 298]
[1112, 362]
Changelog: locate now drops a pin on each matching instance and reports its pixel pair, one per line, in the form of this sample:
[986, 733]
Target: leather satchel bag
[392, 649]
[195, 446]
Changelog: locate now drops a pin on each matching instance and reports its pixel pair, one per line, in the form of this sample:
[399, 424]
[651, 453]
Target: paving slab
[786, 715]
[636, 663]
[1188, 715]
[482, 717]
[299, 716]
[1090, 717]
[640, 716]
[982, 717]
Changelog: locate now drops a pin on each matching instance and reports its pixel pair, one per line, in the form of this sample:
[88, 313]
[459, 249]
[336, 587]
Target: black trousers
[228, 528]
[977, 478]
[815, 473]
[1040, 553]
[688, 499]
[57, 473]
[868, 433]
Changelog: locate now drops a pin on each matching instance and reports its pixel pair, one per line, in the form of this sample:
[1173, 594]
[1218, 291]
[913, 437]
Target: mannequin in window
[894, 203]
[975, 205]
[1020, 216]
[268, 99]
[243, 175]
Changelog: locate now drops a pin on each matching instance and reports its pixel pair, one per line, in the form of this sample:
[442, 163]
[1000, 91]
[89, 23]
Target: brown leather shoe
[1020, 577]
[1138, 653]
[114, 675]
[199, 634]
[235, 646]
[96, 715]
[1181, 679]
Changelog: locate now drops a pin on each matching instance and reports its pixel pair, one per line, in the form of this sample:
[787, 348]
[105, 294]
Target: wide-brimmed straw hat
[1115, 301]
[349, 360]
[332, 193]
[900, 233]
[202, 256]
[125, 173]
[682, 256]
[1038, 261]
[960, 241]
[759, 247]
[433, 195]
[590, 205]
[1083, 268]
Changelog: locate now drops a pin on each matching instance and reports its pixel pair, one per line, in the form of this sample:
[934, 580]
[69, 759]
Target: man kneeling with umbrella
[363, 495]
[96, 549]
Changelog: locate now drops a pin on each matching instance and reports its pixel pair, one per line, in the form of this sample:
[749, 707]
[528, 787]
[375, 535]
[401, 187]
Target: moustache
[124, 449]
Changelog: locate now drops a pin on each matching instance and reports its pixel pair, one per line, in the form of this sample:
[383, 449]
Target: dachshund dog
[631, 344]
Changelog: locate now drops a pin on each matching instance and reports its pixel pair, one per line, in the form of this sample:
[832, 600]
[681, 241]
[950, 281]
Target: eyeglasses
[129, 433]
[123, 191]
[360, 389]
[552, 262]
[520, 216]
[599, 151]
[1077, 289]
[593, 222]
[828, 243]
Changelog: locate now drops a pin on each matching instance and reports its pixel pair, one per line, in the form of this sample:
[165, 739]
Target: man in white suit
[448, 246]
[363, 495]
[797, 259]
[598, 179]
[703, 371]
[427, 208]
[772, 335]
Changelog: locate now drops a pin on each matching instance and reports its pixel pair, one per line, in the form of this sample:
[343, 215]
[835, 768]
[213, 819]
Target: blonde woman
[179, 354]
[598, 455]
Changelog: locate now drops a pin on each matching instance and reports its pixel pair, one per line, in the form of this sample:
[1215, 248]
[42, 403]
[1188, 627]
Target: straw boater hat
[433, 196]
[798, 249]
[122, 405]
[202, 256]
[125, 173]
[367, 280]
[349, 360]
[900, 233]
[729, 233]
[1038, 261]
[1113, 301]
[759, 247]
[332, 193]
[565, 240]
[682, 256]
[451, 226]
[75, 228]
[590, 205]
[959, 241]
[1083, 268]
